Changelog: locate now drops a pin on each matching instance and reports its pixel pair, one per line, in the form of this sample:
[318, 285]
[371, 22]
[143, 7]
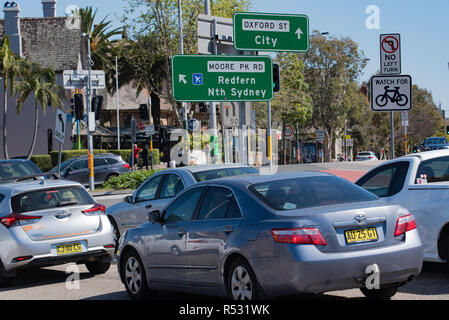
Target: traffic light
[97, 106]
[447, 130]
[78, 106]
[276, 77]
[415, 149]
[143, 111]
[72, 107]
[203, 107]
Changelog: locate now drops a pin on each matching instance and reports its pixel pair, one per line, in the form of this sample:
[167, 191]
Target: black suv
[106, 166]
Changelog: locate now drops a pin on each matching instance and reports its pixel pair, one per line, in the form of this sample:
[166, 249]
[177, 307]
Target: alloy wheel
[241, 285]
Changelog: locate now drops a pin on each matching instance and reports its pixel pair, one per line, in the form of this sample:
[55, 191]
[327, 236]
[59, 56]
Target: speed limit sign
[230, 115]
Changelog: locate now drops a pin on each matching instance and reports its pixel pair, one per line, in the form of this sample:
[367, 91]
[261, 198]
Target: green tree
[155, 23]
[332, 65]
[9, 69]
[41, 84]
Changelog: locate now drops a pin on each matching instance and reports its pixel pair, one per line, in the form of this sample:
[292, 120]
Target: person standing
[144, 156]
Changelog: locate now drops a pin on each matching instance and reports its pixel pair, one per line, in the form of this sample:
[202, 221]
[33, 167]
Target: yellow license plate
[69, 248]
[361, 235]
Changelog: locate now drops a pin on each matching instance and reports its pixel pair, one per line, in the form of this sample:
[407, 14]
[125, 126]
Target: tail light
[12, 218]
[97, 207]
[371, 157]
[127, 166]
[404, 224]
[299, 236]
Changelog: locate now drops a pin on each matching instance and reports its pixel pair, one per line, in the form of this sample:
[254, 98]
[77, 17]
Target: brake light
[95, 208]
[299, 236]
[12, 218]
[404, 224]
[127, 166]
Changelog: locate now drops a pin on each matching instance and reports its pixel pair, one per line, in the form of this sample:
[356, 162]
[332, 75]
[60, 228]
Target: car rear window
[307, 192]
[365, 154]
[14, 169]
[223, 173]
[50, 199]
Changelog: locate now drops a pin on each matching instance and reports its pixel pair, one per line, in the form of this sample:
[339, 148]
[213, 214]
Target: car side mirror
[128, 199]
[155, 216]
[67, 171]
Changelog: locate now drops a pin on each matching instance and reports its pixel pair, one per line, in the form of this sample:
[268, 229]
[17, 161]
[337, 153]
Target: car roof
[426, 155]
[16, 160]
[207, 167]
[10, 189]
[254, 179]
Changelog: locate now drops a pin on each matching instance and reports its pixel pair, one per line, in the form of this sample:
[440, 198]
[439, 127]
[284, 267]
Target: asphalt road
[51, 284]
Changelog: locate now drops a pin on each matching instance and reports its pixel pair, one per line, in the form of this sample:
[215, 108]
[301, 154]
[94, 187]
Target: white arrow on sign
[299, 33]
[182, 78]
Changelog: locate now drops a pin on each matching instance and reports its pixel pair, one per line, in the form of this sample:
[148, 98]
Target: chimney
[49, 7]
[11, 10]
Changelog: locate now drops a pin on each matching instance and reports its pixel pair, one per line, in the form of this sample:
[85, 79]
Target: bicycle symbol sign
[391, 93]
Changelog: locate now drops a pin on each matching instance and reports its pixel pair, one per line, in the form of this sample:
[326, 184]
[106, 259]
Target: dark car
[17, 168]
[106, 166]
[434, 143]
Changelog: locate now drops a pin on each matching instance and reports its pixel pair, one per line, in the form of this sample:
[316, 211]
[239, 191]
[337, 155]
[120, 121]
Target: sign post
[60, 126]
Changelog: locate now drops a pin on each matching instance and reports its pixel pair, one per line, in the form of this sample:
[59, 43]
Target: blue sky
[423, 26]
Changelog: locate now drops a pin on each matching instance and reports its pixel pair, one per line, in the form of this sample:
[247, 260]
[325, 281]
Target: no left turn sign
[390, 53]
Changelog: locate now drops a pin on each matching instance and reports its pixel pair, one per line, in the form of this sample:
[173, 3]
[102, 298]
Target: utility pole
[392, 134]
[89, 110]
[117, 97]
[184, 105]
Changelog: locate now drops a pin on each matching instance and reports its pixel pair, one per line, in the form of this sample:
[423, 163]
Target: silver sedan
[257, 237]
[158, 190]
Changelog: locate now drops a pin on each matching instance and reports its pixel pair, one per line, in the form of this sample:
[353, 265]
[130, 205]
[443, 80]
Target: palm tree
[41, 83]
[9, 69]
[103, 47]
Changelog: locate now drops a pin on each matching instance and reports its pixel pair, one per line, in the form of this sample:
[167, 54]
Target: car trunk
[60, 223]
[352, 226]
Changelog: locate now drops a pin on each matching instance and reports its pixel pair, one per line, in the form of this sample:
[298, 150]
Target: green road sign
[271, 32]
[222, 78]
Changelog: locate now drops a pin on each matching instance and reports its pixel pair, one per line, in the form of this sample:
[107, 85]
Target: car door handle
[181, 232]
[149, 206]
[228, 229]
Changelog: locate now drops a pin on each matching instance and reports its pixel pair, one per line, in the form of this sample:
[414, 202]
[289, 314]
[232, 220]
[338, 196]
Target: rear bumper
[303, 268]
[15, 243]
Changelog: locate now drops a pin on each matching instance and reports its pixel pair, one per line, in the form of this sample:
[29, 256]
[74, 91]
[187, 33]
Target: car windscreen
[15, 169]
[307, 192]
[223, 173]
[50, 199]
[436, 141]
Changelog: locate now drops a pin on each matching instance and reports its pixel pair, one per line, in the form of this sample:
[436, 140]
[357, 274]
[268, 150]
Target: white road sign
[391, 93]
[390, 53]
[77, 79]
[289, 132]
[404, 118]
[320, 135]
[60, 126]
[230, 114]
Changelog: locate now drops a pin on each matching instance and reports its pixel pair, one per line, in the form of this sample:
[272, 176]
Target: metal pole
[59, 159]
[78, 134]
[151, 135]
[392, 134]
[212, 107]
[207, 7]
[270, 146]
[89, 109]
[184, 105]
[117, 97]
[346, 142]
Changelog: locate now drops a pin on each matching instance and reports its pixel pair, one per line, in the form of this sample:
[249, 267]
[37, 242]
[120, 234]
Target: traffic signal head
[447, 129]
[415, 149]
[78, 106]
[143, 111]
[97, 106]
[276, 77]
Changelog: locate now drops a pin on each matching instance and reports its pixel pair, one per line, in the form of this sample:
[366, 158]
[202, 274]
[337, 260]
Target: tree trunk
[5, 109]
[36, 121]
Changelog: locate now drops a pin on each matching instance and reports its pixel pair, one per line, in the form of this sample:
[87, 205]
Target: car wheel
[111, 176]
[4, 281]
[379, 294]
[134, 277]
[241, 281]
[98, 266]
